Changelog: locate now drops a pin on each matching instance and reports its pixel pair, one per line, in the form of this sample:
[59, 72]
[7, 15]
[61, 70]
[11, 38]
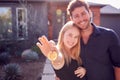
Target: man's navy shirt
[101, 54]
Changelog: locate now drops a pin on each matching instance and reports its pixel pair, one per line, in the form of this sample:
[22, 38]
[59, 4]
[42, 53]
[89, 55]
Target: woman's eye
[76, 36]
[70, 35]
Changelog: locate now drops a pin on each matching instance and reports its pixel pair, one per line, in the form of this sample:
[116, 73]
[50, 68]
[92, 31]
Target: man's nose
[80, 18]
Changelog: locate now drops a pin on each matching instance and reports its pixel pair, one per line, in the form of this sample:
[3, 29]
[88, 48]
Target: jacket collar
[96, 30]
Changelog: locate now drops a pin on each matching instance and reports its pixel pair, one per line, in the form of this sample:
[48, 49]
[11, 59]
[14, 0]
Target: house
[23, 21]
[110, 17]
[58, 16]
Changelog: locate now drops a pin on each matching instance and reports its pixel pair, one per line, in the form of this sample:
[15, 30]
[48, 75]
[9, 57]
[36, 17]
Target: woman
[68, 46]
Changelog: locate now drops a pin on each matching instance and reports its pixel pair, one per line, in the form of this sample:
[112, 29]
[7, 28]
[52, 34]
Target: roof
[96, 4]
[66, 1]
[38, 0]
[109, 10]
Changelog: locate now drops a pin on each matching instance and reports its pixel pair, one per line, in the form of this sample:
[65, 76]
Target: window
[5, 23]
[21, 14]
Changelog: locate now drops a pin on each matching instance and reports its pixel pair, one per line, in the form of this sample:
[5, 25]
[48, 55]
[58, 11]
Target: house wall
[111, 21]
[57, 17]
[37, 20]
[96, 14]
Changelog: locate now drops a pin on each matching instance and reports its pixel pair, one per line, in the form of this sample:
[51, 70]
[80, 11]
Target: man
[100, 47]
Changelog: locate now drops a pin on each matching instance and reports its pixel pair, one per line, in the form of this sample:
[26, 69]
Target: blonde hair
[75, 51]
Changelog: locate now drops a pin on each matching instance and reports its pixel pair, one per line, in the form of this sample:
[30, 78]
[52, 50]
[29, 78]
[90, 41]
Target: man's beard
[86, 27]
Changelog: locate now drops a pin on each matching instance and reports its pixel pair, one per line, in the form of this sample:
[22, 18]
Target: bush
[4, 58]
[12, 71]
[36, 49]
[29, 55]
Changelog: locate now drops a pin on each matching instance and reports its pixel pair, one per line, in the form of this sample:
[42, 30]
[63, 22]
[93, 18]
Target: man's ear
[91, 14]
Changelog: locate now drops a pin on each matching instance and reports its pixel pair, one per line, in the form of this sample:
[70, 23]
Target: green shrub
[36, 49]
[4, 58]
[29, 55]
[12, 71]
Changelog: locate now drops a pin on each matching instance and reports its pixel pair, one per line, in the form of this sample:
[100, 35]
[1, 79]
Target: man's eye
[76, 16]
[76, 36]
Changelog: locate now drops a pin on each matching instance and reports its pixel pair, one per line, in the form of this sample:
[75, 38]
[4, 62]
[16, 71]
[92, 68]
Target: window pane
[21, 23]
[5, 23]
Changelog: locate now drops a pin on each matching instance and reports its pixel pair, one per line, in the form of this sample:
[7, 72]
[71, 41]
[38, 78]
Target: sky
[114, 3]
[3, 10]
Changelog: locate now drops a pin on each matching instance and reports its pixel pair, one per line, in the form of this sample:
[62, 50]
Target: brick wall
[96, 15]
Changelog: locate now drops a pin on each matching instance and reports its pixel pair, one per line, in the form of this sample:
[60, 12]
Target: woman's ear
[71, 18]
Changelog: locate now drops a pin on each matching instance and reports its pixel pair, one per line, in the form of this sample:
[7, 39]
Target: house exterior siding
[111, 21]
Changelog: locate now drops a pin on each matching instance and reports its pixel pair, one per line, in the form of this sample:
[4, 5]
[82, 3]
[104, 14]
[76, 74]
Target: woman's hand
[44, 45]
[57, 78]
[80, 72]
